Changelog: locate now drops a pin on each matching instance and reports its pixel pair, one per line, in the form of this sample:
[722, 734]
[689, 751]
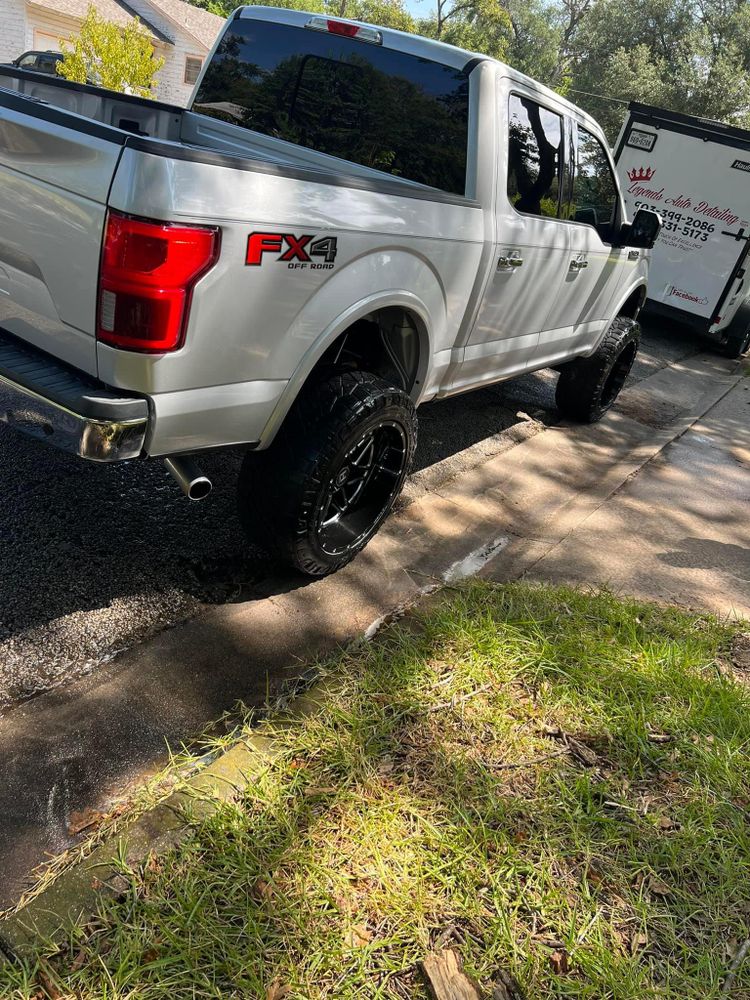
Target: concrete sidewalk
[77, 747]
[676, 531]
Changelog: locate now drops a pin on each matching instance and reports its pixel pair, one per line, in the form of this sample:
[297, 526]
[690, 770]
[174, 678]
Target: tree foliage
[688, 55]
[110, 56]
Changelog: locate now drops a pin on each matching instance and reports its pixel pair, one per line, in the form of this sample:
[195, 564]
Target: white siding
[171, 86]
[44, 30]
[13, 30]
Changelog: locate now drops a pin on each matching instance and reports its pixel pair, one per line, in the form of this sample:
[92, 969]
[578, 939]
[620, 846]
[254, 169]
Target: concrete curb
[513, 501]
[77, 893]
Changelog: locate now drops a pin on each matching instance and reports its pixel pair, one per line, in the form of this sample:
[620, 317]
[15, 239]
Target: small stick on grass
[459, 699]
[734, 968]
[529, 763]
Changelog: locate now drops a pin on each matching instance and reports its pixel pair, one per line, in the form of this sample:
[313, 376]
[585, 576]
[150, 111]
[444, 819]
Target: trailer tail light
[361, 32]
[148, 272]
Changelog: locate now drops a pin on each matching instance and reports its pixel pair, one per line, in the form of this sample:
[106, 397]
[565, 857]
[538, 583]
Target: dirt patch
[648, 409]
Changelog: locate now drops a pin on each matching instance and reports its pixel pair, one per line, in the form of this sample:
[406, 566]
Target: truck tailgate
[55, 173]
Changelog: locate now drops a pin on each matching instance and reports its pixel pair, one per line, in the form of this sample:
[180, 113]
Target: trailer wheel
[589, 386]
[737, 335]
[318, 495]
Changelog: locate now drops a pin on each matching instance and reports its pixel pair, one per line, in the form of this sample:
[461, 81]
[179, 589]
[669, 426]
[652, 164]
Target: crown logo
[641, 174]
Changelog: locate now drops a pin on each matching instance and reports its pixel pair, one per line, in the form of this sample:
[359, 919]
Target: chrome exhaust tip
[189, 477]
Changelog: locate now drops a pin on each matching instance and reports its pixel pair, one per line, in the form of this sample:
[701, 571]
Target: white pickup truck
[346, 222]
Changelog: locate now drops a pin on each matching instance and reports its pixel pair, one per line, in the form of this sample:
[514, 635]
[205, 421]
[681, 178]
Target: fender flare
[642, 283]
[399, 298]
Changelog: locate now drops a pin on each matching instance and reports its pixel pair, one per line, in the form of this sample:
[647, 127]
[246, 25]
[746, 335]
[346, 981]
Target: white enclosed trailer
[696, 174]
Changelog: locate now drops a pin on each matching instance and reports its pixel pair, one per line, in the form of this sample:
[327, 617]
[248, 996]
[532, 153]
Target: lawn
[553, 783]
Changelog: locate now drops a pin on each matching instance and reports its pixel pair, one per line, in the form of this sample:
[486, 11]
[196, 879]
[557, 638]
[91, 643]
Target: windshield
[395, 112]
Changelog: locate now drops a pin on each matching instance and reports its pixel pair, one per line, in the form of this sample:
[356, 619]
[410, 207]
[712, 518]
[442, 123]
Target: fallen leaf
[78, 961]
[637, 941]
[386, 765]
[579, 750]
[82, 819]
[658, 887]
[660, 738]
[51, 991]
[277, 991]
[358, 936]
[263, 889]
[559, 962]
[593, 876]
[667, 823]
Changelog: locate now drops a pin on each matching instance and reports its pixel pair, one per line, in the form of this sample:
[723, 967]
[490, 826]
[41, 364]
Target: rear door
[594, 268]
[532, 242]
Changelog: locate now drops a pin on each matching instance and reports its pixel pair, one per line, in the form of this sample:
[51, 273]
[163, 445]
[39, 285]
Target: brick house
[181, 34]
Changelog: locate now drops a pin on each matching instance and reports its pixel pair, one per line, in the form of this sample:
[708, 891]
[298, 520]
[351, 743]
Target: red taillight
[148, 272]
[361, 32]
[342, 28]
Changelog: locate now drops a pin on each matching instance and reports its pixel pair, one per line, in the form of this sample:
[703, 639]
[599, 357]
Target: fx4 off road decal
[294, 251]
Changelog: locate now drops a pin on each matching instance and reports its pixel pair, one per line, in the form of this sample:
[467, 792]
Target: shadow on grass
[555, 782]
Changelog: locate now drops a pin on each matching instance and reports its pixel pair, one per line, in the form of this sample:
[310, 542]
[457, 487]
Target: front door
[594, 269]
[531, 249]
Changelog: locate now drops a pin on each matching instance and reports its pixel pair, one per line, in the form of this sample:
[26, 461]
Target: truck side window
[594, 198]
[534, 157]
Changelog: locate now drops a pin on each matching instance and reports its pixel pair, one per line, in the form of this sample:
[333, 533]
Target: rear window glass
[366, 103]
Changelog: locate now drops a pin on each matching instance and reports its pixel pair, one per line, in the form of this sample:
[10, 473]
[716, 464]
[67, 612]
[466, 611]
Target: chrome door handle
[512, 260]
[578, 265]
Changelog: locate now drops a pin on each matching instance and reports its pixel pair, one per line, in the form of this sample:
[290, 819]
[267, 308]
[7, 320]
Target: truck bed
[124, 116]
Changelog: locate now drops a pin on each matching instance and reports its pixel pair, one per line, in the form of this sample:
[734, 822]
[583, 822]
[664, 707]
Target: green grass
[438, 793]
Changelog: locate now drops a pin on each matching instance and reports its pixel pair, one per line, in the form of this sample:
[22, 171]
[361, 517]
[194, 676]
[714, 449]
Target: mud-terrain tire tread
[278, 488]
[584, 390]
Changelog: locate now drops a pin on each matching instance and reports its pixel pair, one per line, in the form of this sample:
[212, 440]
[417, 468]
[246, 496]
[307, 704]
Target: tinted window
[594, 188]
[534, 157]
[358, 101]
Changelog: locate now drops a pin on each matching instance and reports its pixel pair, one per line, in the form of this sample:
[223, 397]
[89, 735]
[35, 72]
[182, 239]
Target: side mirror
[643, 231]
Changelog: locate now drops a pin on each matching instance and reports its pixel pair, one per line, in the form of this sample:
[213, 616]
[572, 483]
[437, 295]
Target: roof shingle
[110, 10]
[201, 24]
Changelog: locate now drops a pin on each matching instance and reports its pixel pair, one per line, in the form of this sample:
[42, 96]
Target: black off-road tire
[589, 386]
[290, 495]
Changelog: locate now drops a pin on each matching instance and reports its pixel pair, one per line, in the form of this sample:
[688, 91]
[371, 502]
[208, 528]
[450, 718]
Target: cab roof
[425, 48]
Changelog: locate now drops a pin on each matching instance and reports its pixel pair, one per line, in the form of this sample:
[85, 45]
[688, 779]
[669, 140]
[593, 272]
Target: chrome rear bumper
[46, 400]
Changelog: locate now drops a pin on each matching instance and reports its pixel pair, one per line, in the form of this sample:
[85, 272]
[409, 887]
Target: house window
[192, 68]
